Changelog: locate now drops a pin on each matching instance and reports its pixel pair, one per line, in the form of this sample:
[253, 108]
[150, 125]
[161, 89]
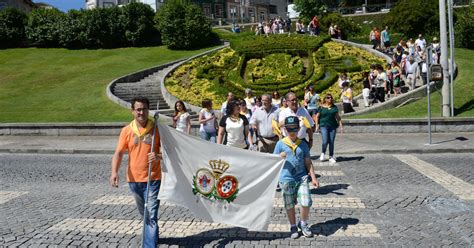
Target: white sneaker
[332, 160]
[321, 158]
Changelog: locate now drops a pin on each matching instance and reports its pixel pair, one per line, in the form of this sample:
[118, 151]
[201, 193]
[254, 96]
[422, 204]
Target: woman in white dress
[181, 118]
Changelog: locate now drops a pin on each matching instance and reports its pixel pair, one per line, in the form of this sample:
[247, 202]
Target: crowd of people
[257, 122]
[409, 63]
[281, 26]
[267, 123]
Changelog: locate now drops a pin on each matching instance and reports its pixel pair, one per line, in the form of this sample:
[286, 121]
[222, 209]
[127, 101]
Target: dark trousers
[347, 108]
[380, 94]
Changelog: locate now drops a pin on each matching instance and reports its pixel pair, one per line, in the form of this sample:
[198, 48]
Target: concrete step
[133, 84]
[138, 92]
[138, 87]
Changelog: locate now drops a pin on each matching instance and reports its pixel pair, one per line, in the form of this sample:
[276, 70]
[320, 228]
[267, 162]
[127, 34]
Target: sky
[64, 5]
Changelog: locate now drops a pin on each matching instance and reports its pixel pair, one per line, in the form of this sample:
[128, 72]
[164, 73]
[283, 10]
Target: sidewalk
[346, 143]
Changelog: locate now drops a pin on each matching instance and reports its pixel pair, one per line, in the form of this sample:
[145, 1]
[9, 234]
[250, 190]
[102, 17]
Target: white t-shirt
[301, 112]
[420, 43]
[182, 122]
[250, 102]
[208, 126]
[276, 102]
[345, 95]
[235, 130]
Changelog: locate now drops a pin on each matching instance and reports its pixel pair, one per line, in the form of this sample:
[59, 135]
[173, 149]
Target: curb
[107, 151]
[55, 151]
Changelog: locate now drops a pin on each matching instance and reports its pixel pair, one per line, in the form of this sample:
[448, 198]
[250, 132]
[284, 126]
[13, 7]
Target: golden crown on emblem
[218, 167]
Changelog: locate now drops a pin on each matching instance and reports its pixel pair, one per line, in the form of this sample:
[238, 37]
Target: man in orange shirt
[136, 138]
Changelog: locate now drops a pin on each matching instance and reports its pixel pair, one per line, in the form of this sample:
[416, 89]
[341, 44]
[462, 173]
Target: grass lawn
[463, 94]
[60, 85]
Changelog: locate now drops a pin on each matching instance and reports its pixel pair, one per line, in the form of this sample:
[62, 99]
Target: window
[219, 10]
[108, 4]
[206, 8]
[272, 9]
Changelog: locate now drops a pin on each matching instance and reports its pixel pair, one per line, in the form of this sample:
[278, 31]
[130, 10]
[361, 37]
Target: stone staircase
[149, 87]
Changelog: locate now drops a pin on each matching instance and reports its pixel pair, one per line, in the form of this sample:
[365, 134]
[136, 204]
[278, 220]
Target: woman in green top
[328, 120]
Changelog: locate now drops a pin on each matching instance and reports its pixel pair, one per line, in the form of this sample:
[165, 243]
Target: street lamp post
[451, 52]
[446, 110]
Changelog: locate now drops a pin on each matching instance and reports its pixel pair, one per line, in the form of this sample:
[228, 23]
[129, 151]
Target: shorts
[386, 43]
[294, 193]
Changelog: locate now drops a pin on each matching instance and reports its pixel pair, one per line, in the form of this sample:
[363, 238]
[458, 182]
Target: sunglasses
[328, 97]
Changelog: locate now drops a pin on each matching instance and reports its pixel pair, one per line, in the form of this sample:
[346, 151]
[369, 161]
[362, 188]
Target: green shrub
[12, 27]
[102, 28]
[464, 28]
[252, 45]
[309, 8]
[44, 27]
[413, 17]
[72, 28]
[347, 25]
[183, 25]
[138, 25]
[131, 25]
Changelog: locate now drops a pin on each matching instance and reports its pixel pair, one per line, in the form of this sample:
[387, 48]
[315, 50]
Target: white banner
[218, 183]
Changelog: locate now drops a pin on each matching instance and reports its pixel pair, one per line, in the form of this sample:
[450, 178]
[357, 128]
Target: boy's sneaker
[321, 158]
[305, 230]
[332, 160]
[294, 233]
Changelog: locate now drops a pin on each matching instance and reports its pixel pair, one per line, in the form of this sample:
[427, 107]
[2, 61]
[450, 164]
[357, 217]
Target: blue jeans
[328, 135]
[139, 193]
[208, 136]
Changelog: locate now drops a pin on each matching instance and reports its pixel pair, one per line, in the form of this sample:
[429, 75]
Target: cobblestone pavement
[364, 200]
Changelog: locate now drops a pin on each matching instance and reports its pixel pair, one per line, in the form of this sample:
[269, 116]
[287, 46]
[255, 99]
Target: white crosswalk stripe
[188, 228]
[6, 196]
[460, 188]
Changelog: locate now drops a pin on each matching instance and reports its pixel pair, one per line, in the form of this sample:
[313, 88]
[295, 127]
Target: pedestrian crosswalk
[189, 228]
[334, 197]
[331, 180]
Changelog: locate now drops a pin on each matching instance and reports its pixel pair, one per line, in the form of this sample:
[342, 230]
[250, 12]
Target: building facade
[24, 5]
[227, 10]
[92, 4]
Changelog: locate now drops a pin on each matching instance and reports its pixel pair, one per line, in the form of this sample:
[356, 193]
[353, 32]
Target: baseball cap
[292, 123]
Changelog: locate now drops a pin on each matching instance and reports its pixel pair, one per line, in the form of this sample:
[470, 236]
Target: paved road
[365, 200]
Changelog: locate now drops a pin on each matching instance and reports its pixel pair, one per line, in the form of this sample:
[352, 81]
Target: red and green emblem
[213, 184]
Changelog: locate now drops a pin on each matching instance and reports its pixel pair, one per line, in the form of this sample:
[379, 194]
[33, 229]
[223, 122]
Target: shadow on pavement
[451, 140]
[207, 237]
[347, 159]
[241, 234]
[331, 226]
[330, 189]
[340, 159]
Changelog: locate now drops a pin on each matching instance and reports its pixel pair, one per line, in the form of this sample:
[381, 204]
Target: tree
[12, 27]
[139, 25]
[412, 17]
[309, 8]
[183, 25]
[464, 28]
[44, 27]
[347, 25]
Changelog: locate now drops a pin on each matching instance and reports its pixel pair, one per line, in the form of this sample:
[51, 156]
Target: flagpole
[150, 164]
